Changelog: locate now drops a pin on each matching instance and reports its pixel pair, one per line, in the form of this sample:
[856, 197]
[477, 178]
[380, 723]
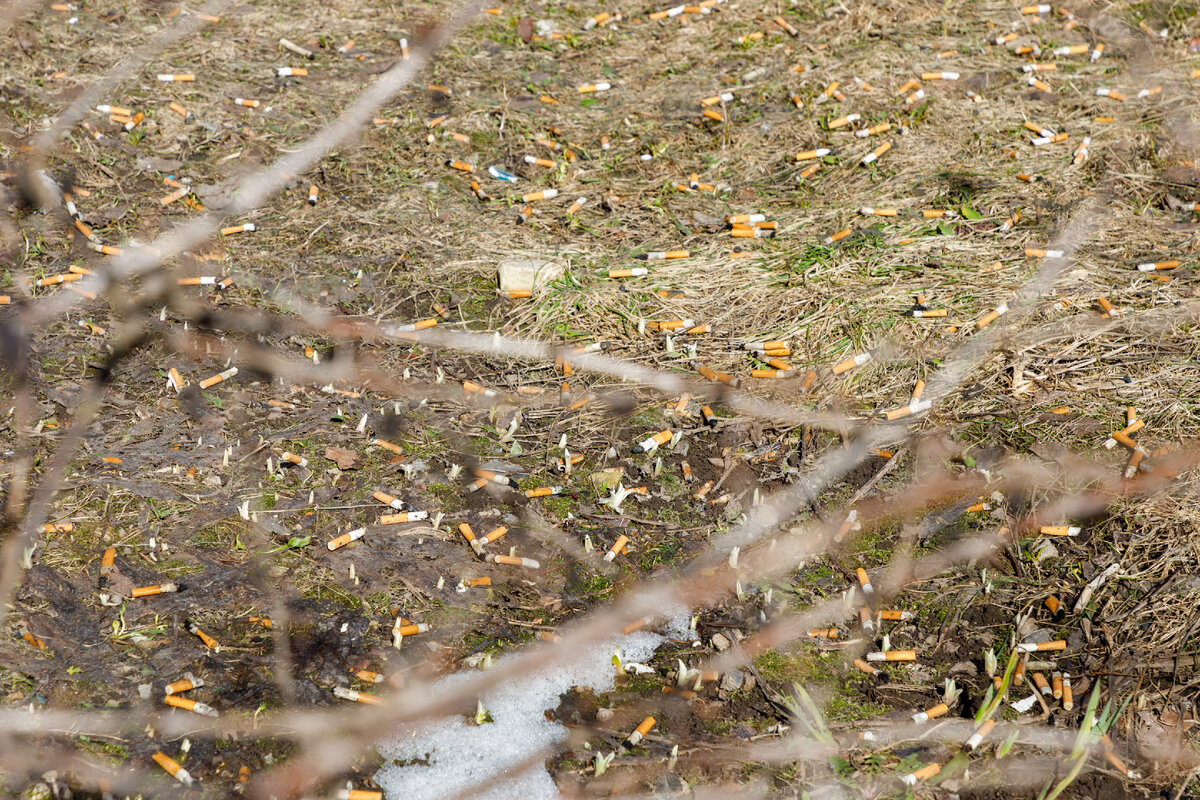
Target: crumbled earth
[232, 490]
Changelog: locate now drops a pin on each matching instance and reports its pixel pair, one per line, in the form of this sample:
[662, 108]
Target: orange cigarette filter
[184, 685]
[893, 655]
[1042, 647]
[461, 166]
[617, 547]
[493, 535]
[209, 641]
[863, 666]
[188, 704]
[172, 768]
[823, 633]
[356, 696]
[58, 527]
[150, 591]
[386, 445]
[366, 794]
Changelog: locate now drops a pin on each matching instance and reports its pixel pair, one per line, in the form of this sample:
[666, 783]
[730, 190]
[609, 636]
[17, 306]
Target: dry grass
[396, 234]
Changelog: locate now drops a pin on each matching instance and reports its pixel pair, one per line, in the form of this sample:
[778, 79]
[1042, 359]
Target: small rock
[527, 274]
[964, 668]
[733, 680]
[669, 785]
[720, 642]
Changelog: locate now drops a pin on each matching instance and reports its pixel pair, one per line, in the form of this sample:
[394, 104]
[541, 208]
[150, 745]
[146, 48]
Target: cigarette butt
[292, 458]
[863, 666]
[405, 628]
[1157, 265]
[156, 589]
[218, 378]
[655, 441]
[923, 774]
[837, 237]
[1043, 686]
[1068, 697]
[387, 499]
[893, 655]
[493, 535]
[639, 732]
[618, 545]
[991, 316]
[1111, 95]
[876, 153]
[1041, 647]
[108, 560]
[209, 641]
[545, 194]
[513, 561]
[355, 696]
[1059, 530]
[842, 122]
[724, 97]
[172, 767]
[184, 685]
[635, 272]
[368, 676]
[543, 491]
[360, 794]
[809, 155]
[939, 76]
[591, 88]
[851, 363]
[930, 713]
[178, 77]
[248, 227]
[865, 581]
[469, 535]
[346, 538]
[291, 72]
[190, 705]
[400, 519]
[980, 734]
[823, 633]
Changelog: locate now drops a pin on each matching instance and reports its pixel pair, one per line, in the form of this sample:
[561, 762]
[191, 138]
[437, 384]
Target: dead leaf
[345, 459]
